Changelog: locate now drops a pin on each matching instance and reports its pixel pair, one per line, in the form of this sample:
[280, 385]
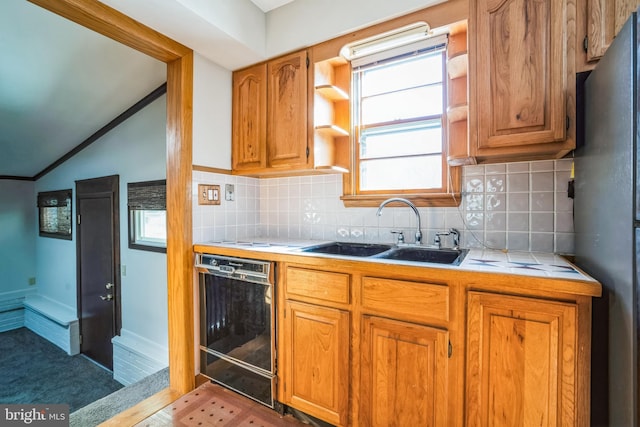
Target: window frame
[449, 195]
[357, 128]
[59, 199]
[139, 201]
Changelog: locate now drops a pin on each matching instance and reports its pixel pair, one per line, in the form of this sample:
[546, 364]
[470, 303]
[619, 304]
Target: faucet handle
[456, 237]
[400, 233]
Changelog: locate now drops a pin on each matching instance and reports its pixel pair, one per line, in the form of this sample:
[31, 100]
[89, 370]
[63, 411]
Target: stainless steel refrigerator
[606, 219]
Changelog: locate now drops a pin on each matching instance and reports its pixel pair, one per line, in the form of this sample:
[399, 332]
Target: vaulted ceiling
[60, 83]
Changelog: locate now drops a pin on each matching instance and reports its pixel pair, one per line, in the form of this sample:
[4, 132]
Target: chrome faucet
[452, 232]
[412, 206]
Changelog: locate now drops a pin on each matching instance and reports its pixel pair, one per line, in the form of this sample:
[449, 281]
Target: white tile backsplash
[515, 206]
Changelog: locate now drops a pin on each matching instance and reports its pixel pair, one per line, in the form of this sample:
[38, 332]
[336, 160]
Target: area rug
[33, 370]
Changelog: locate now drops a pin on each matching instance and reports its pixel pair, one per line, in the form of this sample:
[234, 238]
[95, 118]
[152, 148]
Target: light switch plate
[208, 194]
[229, 192]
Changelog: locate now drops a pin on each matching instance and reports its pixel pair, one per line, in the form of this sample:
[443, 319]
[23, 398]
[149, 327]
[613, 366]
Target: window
[399, 101]
[147, 215]
[54, 214]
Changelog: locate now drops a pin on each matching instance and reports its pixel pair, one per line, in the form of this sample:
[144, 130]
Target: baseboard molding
[135, 357]
[12, 309]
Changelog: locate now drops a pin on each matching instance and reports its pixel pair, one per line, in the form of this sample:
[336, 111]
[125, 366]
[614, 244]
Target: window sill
[435, 200]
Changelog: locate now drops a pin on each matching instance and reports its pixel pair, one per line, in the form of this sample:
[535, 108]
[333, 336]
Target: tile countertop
[536, 264]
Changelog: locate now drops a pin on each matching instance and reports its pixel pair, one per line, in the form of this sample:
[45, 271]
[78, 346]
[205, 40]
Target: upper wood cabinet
[249, 118]
[522, 363]
[269, 119]
[287, 139]
[605, 18]
[521, 62]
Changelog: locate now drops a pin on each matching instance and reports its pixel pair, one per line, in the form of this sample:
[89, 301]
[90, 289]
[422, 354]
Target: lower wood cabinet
[521, 361]
[371, 347]
[316, 378]
[403, 374]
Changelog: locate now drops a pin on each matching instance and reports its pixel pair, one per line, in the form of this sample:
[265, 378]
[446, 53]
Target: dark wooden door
[98, 260]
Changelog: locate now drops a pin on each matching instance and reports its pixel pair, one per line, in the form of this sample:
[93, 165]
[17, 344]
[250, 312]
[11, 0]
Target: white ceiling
[59, 84]
[267, 5]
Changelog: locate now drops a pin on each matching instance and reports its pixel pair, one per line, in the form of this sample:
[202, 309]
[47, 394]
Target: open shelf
[332, 92]
[331, 130]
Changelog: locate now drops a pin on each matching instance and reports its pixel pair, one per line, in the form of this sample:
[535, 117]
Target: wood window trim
[422, 199]
[453, 15]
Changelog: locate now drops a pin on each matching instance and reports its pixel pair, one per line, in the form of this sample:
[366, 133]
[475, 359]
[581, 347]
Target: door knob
[109, 285]
[109, 297]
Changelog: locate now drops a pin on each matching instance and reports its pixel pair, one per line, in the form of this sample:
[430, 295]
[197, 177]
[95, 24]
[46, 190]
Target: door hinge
[307, 151]
[80, 339]
[585, 43]
[307, 62]
[450, 352]
[568, 122]
[78, 219]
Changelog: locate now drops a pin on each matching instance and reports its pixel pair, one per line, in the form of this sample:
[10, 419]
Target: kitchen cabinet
[362, 342]
[331, 115]
[404, 353]
[270, 117]
[315, 339]
[522, 78]
[404, 374]
[249, 118]
[522, 361]
[604, 19]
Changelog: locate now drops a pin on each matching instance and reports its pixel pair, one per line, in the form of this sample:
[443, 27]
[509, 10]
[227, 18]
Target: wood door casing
[316, 375]
[522, 361]
[98, 260]
[404, 374]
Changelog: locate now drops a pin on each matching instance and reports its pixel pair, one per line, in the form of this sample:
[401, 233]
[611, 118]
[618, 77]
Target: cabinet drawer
[406, 300]
[317, 285]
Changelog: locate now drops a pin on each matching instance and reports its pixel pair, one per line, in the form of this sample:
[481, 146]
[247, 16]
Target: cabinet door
[520, 78]
[404, 374]
[605, 18]
[287, 114]
[249, 118]
[522, 362]
[316, 376]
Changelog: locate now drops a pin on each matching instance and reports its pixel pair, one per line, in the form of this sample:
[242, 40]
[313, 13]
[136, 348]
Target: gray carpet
[105, 408]
[33, 370]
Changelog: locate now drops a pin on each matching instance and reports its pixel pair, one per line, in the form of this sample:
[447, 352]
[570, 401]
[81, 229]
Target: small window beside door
[54, 214]
[147, 202]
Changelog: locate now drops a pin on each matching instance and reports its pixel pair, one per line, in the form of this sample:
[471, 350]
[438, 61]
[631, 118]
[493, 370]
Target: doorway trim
[179, 59]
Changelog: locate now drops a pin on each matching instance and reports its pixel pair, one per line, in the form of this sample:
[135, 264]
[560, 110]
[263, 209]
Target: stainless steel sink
[348, 249]
[423, 254]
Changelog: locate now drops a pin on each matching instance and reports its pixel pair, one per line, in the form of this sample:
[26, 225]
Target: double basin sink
[421, 254]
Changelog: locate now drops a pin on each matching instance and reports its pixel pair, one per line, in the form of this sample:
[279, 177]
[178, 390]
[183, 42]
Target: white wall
[18, 228]
[315, 21]
[211, 114]
[136, 151]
